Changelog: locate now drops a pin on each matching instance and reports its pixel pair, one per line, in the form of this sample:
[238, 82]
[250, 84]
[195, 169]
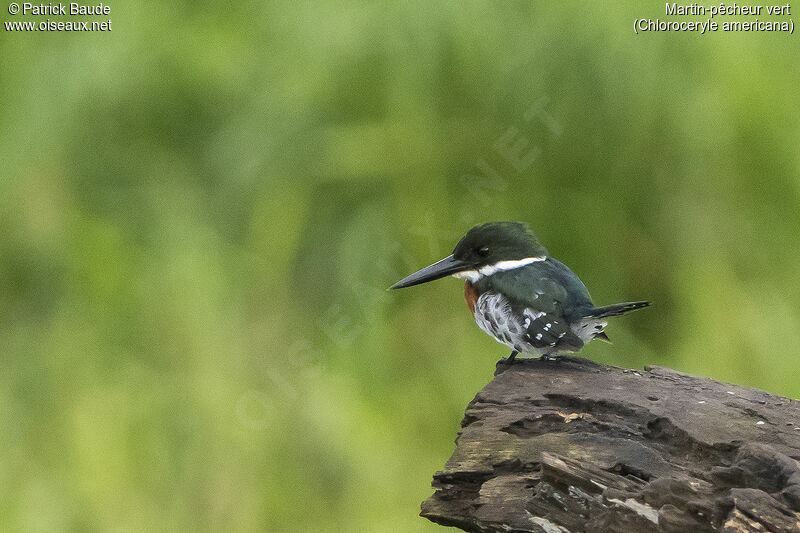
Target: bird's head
[484, 250]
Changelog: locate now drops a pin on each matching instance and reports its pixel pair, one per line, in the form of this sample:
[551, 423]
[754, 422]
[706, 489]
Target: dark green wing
[547, 329]
[548, 286]
[548, 296]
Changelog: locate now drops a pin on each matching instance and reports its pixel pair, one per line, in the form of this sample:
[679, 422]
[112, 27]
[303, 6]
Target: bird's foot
[550, 357]
[509, 360]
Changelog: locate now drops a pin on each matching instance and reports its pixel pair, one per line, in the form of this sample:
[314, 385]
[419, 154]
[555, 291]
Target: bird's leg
[511, 357]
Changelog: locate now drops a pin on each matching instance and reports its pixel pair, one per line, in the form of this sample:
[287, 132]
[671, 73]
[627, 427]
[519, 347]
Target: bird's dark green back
[548, 286]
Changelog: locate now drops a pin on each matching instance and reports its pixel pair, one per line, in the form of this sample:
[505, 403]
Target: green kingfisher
[532, 303]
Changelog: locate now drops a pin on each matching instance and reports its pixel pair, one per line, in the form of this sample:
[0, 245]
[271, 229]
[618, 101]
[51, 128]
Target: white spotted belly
[493, 315]
[534, 332]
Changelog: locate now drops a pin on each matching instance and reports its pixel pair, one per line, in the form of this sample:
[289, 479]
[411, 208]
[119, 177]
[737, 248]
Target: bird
[519, 295]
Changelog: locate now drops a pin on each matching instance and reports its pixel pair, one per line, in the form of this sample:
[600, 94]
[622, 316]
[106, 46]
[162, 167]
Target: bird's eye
[483, 252]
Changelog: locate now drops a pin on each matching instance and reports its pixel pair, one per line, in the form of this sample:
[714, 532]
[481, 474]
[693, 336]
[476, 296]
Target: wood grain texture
[570, 446]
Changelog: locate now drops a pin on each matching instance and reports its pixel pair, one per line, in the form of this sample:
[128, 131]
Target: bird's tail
[616, 309]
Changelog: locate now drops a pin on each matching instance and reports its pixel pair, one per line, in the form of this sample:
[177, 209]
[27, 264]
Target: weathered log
[570, 445]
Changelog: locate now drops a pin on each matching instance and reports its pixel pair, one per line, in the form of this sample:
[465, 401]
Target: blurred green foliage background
[202, 208]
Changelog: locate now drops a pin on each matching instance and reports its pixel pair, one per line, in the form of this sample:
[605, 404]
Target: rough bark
[569, 446]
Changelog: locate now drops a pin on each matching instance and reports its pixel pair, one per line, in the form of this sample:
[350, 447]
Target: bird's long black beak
[445, 267]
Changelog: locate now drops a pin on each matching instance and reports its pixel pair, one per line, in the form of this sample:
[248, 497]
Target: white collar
[500, 266]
